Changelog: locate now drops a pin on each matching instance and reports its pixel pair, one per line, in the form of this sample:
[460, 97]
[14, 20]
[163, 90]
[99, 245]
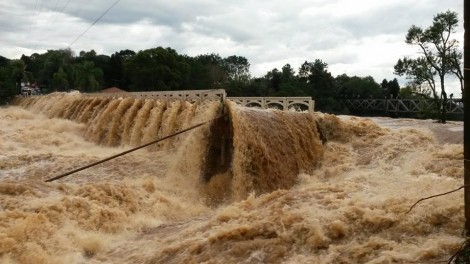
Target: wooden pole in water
[129, 151]
[466, 98]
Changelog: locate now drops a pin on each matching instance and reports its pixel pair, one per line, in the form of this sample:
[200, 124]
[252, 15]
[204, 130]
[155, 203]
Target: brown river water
[250, 186]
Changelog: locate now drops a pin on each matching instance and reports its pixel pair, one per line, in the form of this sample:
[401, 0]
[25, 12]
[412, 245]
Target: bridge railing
[453, 106]
[186, 95]
[283, 103]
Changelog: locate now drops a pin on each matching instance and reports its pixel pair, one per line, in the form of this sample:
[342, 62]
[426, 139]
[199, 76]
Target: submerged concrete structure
[282, 103]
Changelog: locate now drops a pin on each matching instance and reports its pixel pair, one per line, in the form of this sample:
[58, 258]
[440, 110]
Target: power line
[52, 19]
[34, 16]
[61, 11]
[96, 21]
[63, 8]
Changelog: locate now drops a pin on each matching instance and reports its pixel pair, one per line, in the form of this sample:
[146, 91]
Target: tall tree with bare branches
[440, 55]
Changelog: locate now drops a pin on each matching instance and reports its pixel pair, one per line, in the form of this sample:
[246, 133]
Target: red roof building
[113, 90]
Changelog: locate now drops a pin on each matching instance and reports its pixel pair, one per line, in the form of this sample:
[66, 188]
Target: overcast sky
[362, 37]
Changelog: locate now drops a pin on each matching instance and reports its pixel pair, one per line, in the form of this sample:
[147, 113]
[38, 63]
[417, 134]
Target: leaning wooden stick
[432, 196]
[128, 151]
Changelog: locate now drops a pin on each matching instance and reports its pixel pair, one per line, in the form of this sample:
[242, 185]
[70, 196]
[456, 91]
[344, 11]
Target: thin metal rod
[128, 151]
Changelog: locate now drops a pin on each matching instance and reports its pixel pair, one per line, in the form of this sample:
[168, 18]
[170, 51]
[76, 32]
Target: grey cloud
[15, 19]
[267, 33]
[169, 13]
[393, 19]
[216, 29]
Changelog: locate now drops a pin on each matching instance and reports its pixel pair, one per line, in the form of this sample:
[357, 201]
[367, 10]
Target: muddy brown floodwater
[253, 186]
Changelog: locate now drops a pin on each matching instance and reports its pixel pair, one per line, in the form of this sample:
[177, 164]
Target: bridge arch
[275, 105]
[253, 104]
[302, 106]
[282, 103]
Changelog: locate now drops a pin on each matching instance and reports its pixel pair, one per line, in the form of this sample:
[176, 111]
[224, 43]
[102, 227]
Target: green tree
[274, 80]
[413, 90]
[12, 75]
[34, 65]
[360, 87]
[50, 63]
[8, 88]
[87, 77]
[18, 72]
[100, 61]
[456, 67]
[318, 83]
[60, 80]
[117, 74]
[420, 72]
[288, 73]
[4, 61]
[393, 88]
[198, 78]
[238, 68]
[157, 69]
[88, 55]
[385, 87]
[290, 85]
[437, 47]
[213, 71]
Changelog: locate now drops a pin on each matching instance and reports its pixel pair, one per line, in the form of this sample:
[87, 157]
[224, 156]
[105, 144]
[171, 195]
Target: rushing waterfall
[259, 163]
[248, 186]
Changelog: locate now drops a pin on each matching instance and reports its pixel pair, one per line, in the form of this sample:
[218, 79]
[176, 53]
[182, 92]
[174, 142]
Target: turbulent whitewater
[249, 186]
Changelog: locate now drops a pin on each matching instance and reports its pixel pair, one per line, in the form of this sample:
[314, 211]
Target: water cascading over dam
[240, 151]
[250, 186]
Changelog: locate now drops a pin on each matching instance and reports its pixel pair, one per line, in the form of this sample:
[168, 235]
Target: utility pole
[466, 124]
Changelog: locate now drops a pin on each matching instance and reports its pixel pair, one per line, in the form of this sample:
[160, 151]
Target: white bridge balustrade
[282, 103]
[185, 95]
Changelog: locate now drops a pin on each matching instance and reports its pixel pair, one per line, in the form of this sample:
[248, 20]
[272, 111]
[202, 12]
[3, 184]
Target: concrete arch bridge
[282, 103]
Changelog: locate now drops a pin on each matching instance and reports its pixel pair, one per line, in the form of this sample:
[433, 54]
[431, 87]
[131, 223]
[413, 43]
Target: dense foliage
[162, 69]
[440, 57]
